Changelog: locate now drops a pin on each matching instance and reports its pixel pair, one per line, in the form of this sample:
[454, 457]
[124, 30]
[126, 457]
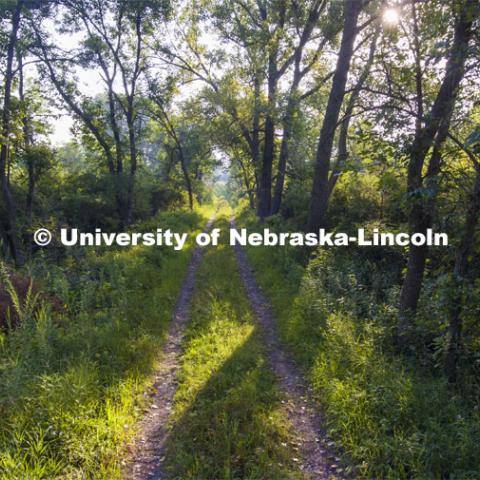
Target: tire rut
[302, 411]
[146, 462]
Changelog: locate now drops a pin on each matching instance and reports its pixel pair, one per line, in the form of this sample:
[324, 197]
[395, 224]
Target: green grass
[228, 422]
[392, 417]
[72, 382]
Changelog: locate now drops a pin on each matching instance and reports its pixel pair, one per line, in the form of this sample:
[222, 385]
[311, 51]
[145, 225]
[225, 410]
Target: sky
[91, 83]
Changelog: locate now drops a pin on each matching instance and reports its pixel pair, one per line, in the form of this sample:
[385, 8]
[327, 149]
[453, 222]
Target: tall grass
[394, 417]
[228, 421]
[73, 381]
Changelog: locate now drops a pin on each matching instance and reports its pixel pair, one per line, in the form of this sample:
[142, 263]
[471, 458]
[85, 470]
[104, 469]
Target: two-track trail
[301, 410]
[229, 403]
[147, 461]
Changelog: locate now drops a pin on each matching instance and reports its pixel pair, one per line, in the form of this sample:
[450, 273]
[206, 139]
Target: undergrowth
[73, 379]
[394, 417]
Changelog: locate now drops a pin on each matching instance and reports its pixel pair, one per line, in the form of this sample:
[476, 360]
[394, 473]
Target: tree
[164, 117]
[431, 134]
[268, 56]
[462, 266]
[294, 98]
[342, 149]
[10, 215]
[114, 43]
[320, 191]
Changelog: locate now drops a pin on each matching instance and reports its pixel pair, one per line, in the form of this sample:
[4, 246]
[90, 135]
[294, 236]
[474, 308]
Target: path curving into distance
[301, 409]
[146, 463]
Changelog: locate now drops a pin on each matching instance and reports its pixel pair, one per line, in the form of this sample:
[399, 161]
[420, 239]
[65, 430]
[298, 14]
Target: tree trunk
[246, 181]
[27, 142]
[265, 200]
[186, 176]
[283, 157]
[319, 194]
[255, 137]
[420, 216]
[342, 155]
[133, 169]
[292, 103]
[131, 119]
[10, 218]
[460, 272]
[117, 175]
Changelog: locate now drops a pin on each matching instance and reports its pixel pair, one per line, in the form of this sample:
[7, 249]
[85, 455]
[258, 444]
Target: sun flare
[391, 16]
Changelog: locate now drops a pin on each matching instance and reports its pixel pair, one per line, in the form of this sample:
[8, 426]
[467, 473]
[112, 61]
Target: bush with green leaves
[394, 416]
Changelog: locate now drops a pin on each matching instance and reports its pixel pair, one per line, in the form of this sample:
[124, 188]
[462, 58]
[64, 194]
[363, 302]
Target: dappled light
[239, 239]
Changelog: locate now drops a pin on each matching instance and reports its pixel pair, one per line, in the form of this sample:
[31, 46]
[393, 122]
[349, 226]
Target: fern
[26, 310]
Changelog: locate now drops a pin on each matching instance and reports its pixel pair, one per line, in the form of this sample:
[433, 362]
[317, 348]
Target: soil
[148, 456]
[303, 412]
[316, 460]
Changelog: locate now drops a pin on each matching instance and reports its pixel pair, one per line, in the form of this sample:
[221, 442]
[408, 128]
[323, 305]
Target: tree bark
[284, 154]
[265, 186]
[292, 103]
[186, 176]
[460, 274]
[319, 194]
[10, 218]
[420, 216]
[343, 154]
[131, 118]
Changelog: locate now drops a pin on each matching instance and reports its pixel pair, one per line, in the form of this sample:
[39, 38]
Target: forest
[277, 361]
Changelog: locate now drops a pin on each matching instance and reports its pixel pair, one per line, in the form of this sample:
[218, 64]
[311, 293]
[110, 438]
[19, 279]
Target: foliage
[393, 416]
[336, 114]
[73, 383]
